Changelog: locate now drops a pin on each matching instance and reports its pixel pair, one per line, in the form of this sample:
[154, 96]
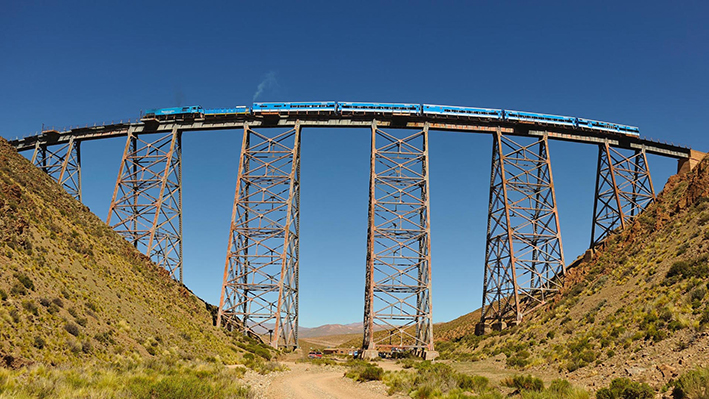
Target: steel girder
[260, 287]
[398, 278]
[623, 189]
[146, 208]
[524, 259]
[63, 164]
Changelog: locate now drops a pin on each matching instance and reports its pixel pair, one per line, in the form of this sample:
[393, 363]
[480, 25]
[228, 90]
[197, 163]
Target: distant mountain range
[322, 331]
[330, 329]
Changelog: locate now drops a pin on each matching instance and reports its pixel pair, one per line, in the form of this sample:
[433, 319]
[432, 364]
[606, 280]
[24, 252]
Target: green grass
[126, 378]
[623, 388]
[692, 385]
[361, 370]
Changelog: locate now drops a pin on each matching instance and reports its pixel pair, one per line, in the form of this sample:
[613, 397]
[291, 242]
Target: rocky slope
[71, 289]
[637, 308]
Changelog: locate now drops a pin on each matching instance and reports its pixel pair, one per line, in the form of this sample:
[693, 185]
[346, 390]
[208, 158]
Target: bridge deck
[444, 123]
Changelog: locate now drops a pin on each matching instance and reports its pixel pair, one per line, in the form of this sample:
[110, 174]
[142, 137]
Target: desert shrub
[3, 295]
[698, 294]
[399, 381]
[30, 307]
[105, 337]
[74, 347]
[703, 219]
[26, 281]
[361, 370]
[692, 385]
[318, 362]
[371, 373]
[18, 289]
[524, 383]
[473, 383]
[91, 306]
[433, 380]
[15, 315]
[39, 342]
[623, 388]
[560, 387]
[72, 329]
[257, 349]
[58, 302]
[705, 317]
[684, 269]
[258, 364]
[438, 375]
[425, 392]
[519, 359]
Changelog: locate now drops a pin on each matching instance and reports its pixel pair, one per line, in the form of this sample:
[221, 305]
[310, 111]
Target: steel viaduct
[524, 262]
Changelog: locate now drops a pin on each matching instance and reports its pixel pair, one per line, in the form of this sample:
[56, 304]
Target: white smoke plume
[269, 82]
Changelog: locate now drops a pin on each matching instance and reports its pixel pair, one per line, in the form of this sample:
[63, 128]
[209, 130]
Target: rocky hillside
[71, 289]
[638, 308]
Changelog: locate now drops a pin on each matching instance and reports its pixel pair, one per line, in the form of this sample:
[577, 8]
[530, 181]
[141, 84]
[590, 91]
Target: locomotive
[396, 109]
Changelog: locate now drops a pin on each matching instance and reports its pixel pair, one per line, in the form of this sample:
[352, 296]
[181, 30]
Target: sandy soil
[310, 381]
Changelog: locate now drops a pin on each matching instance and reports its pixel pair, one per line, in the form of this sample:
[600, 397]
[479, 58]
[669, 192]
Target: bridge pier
[146, 207]
[63, 164]
[524, 260]
[623, 189]
[398, 276]
[260, 286]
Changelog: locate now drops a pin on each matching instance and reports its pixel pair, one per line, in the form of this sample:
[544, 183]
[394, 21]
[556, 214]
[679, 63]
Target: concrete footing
[430, 355]
[370, 354]
[480, 329]
[499, 326]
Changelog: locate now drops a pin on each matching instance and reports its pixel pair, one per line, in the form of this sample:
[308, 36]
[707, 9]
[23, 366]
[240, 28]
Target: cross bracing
[146, 208]
[524, 261]
[398, 277]
[260, 287]
[62, 163]
[623, 189]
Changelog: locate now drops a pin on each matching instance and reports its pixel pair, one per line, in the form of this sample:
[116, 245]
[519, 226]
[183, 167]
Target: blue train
[363, 108]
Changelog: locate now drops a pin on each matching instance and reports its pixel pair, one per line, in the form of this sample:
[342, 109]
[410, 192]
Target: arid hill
[71, 289]
[637, 308]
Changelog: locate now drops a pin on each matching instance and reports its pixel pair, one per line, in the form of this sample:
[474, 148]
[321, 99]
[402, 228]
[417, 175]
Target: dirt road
[309, 381]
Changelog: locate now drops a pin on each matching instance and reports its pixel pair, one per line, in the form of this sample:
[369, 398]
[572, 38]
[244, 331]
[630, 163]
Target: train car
[469, 112]
[295, 108]
[174, 112]
[608, 127]
[523, 116]
[217, 112]
[378, 108]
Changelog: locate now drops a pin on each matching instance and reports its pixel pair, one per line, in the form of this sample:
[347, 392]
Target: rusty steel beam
[524, 259]
[63, 163]
[259, 294]
[146, 207]
[623, 189]
[398, 274]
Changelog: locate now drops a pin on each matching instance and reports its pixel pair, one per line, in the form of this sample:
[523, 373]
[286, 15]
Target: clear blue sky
[642, 63]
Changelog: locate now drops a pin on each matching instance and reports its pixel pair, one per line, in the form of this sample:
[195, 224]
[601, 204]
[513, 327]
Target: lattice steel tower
[260, 287]
[623, 189]
[63, 164]
[524, 260]
[146, 208]
[398, 278]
